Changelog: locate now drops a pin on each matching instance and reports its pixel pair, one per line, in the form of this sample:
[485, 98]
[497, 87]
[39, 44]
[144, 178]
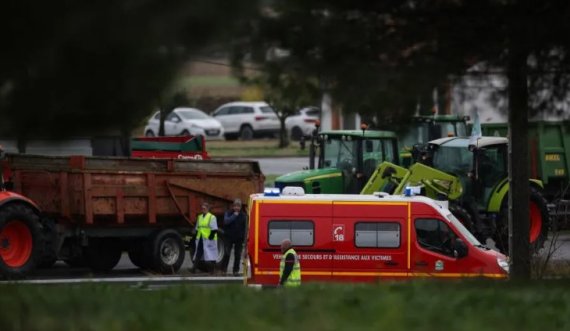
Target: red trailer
[90, 209]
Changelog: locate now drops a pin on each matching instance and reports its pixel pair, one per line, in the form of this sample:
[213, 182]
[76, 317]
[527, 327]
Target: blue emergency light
[271, 192]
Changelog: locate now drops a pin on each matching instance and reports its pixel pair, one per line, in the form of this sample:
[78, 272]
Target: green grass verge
[425, 306]
[253, 148]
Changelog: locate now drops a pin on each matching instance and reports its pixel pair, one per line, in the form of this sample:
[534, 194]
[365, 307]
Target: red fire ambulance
[363, 238]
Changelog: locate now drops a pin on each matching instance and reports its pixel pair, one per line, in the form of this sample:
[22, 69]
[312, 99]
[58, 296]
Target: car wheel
[185, 133]
[296, 133]
[246, 132]
[149, 133]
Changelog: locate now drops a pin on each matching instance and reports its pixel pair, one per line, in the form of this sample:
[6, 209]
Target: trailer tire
[20, 240]
[102, 254]
[167, 251]
[76, 262]
[539, 223]
[49, 239]
[138, 254]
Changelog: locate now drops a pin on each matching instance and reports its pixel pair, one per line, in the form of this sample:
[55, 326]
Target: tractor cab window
[435, 235]
[453, 160]
[492, 164]
[376, 151]
[340, 153]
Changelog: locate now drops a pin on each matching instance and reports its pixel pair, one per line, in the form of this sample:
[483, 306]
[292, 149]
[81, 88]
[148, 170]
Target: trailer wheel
[539, 223]
[102, 254]
[138, 254]
[167, 251]
[20, 241]
[49, 239]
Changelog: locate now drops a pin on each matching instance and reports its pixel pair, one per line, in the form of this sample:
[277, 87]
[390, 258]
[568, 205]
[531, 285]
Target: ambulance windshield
[461, 228]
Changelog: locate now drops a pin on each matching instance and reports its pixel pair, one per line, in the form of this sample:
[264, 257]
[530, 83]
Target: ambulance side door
[308, 227]
[373, 242]
[432, 248]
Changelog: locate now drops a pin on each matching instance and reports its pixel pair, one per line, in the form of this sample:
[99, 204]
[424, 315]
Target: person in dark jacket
[234, 233]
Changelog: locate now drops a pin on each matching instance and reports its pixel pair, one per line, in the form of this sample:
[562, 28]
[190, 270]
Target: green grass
[480, 305]
[253, 148]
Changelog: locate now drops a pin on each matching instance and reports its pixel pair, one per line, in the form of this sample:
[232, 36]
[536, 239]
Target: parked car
[246, 120]
[302, 123]
[185, 122]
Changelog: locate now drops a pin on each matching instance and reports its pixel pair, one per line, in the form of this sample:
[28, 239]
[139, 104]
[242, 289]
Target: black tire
[296, 133]
[26, 254]
[463, 216]
[76, 262]
[246, 132]
[167, 251]
[49, 239]
[539, 229]
[138, 254]
[102, 254]
[149, 133]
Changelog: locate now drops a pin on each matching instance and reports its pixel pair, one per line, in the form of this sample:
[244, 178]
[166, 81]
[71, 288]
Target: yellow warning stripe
[409, 234]
[371, 203]
[283, 202]
[256, 233]
[385, 274]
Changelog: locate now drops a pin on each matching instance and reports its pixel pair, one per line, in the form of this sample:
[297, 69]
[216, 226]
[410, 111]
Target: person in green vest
[206, 239]
[290, 267]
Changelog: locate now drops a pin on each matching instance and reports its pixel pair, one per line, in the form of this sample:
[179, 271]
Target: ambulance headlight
[503, 263]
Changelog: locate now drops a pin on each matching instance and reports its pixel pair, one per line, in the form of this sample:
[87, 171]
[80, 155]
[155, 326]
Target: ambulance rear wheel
[167, 251]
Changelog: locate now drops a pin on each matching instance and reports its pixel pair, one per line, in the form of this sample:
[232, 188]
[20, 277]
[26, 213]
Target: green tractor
[346, 159]
[473, 176]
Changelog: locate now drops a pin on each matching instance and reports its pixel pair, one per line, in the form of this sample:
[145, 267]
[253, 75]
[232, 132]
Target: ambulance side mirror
[459, 249]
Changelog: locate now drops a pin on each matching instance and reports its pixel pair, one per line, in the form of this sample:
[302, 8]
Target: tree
[384, 56]
[72, 67]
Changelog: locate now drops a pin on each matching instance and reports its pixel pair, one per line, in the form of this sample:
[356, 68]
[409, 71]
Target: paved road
[280, 166]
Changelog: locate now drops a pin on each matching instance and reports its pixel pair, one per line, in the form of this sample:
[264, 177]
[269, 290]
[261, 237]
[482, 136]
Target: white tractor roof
[465, 141]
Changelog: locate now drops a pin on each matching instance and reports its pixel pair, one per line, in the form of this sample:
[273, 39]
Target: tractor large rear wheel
[20, 241]
[539, 223]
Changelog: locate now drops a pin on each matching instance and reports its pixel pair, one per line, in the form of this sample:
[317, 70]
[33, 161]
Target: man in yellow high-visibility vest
[290, 267]
[206, 239]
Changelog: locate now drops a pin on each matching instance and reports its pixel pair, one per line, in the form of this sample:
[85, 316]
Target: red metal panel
[87, 198]
[64, 194]
[151, 185]
[120, 206]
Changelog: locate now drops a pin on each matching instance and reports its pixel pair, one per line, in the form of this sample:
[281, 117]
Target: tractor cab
[424, 128]
[345, 161]
[480, 165]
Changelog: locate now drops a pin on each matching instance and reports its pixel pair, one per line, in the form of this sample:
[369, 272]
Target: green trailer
[549, 153]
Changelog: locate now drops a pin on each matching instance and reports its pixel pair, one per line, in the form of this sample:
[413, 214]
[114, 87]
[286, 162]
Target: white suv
[302, 123]
[246, 120]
